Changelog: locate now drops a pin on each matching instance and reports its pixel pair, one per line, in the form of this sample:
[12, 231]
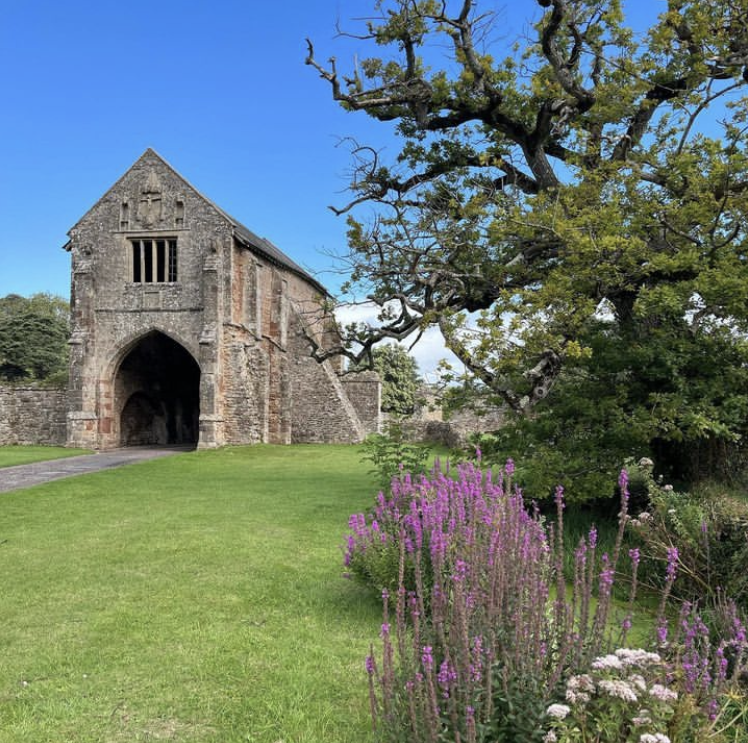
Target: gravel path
[26, 475]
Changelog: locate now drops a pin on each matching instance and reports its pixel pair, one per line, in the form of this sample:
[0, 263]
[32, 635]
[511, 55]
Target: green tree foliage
[33, 337]
[398, 371]
[570, 209]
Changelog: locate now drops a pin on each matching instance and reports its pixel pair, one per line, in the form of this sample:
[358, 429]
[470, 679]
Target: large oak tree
[580, 196]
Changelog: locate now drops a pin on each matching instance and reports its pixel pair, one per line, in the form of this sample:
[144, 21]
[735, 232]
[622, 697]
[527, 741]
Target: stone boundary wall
[364, 390]
[425, 426]
[33, 415]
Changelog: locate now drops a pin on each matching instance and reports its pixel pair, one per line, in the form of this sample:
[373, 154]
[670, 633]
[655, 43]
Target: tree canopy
[398, 371]
[33, 337]
[569, 208]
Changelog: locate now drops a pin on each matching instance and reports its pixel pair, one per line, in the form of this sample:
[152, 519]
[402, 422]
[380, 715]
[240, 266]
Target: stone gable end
[187, 328]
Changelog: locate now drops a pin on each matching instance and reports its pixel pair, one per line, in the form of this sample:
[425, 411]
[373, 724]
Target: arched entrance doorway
[157, 388]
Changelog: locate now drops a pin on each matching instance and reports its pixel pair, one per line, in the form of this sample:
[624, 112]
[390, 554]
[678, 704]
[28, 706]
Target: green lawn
[13, 455]
[193, 598]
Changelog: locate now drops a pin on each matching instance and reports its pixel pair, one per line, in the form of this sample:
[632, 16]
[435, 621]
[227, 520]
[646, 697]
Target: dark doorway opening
[158, 390]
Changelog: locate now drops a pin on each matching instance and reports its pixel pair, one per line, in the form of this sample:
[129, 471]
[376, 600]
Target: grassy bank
[193, 598]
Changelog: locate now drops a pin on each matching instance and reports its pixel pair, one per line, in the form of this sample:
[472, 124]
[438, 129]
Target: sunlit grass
[192, 598]
[13, 455]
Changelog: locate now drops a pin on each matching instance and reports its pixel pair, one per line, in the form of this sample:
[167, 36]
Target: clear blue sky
[218, 88]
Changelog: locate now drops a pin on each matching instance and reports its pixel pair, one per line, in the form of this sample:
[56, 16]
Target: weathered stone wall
[364, 390]
[321, 411]
[427, 426]
[111, 311]
[33, 415]
[234, 306]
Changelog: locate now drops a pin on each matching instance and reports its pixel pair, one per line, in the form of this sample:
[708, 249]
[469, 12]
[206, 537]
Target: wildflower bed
[476, 646]
[193, 598]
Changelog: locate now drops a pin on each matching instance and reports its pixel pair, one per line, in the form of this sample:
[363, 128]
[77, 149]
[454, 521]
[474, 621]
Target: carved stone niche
[124, 214]
[150, 204]
[179, 212]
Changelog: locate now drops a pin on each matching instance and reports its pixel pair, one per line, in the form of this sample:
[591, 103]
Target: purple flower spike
[662, 632]
[509, 467]
[559, 499]
[446, 676]
[672, 563]
[461, 568]
[623, 483]
[369, 665]
[427, 658]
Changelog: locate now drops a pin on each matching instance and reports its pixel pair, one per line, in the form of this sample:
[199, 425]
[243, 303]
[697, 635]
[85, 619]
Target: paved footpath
[26, 475]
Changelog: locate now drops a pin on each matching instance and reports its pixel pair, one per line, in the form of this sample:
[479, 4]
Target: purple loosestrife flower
[721, 664]
[607, 574]
[370, 665]
[592, 538]
[739, 630]
[509, 467]
[635, 555]
[623, 483]
[662, 632]
[476, 659]
[559, 497]
[446, 676]
[461, 571]
[427, 659]
[672, 563]
[351, 548]
[712, 708]
[385, 629]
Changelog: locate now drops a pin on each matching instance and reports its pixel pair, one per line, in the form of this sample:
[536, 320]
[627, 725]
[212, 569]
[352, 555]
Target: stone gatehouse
[187, 328]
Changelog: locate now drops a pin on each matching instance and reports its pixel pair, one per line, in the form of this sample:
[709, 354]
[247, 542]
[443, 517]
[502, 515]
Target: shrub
[623, 698]
[711, 533]
[478, 652]
[392, 455]
[636, 696]
[486, 635]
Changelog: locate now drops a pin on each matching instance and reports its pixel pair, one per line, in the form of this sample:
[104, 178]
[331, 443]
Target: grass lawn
[13, 455]
[193, 598]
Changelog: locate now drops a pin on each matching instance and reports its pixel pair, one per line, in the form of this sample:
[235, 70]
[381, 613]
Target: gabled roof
[243, 235]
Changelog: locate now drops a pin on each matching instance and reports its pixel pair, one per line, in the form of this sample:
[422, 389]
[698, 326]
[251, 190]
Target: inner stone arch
[157, 392]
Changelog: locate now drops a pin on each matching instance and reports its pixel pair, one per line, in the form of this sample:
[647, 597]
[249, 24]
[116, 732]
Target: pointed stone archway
[157, 394]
